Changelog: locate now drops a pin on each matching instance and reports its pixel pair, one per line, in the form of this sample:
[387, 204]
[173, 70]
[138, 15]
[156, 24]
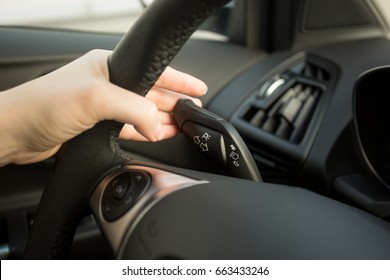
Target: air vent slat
[303, 118]
[309, 71]
[321, 75]
[269, 125]
[290, 109]
[305, 94]
[283, 130]
[258, 118]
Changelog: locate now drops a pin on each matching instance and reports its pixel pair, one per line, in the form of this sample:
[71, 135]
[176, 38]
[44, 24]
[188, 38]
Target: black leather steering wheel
[84, 161]
[136, 63]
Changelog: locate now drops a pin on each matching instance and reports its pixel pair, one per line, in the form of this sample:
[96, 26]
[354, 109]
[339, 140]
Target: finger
[130, 133]
[168, 124]
[178, 81]
[114, 103]
[166, 118]
[166, 100]
[170, 131]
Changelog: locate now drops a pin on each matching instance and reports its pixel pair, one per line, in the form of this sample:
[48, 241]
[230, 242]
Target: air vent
[285, 104]
[282, 114]
[289, 115]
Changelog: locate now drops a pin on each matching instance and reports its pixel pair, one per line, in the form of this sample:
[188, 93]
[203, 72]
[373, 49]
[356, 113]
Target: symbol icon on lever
[204, 147]
[234, 155]
[206, 136]
[196, 140]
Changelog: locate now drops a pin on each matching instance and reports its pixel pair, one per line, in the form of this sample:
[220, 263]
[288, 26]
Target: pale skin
[39, 116]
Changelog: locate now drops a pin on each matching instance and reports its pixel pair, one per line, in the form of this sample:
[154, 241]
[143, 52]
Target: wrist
[9, 147]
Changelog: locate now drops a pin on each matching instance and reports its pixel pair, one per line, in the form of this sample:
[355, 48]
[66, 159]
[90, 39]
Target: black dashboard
[326, 152]
[300, 112]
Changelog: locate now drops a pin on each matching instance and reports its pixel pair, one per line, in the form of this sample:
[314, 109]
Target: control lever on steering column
[217, 139]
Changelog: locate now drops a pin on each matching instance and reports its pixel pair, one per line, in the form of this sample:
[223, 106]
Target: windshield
[94, 15]
[112, 16]
[87, 15]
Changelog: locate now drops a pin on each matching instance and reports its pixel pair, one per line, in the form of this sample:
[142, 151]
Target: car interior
[298, 94]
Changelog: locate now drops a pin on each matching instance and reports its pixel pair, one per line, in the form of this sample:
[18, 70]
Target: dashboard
[314, 118]
[327, 153]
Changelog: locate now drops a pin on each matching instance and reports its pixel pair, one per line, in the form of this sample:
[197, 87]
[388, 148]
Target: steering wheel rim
[136, 64]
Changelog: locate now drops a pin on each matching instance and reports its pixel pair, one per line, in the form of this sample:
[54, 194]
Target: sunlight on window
[91, 15]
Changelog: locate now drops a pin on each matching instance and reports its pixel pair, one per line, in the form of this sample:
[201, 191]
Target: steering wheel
[153, 211]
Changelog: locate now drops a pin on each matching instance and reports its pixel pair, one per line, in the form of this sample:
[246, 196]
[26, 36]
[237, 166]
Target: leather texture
[147, 49]
[136, 64]
[80, 164]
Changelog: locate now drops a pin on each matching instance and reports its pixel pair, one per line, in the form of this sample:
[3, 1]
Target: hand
[39, 116]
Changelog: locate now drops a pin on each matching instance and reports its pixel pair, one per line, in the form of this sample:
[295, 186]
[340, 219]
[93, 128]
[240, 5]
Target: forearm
[8, 143]
[22, 125]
